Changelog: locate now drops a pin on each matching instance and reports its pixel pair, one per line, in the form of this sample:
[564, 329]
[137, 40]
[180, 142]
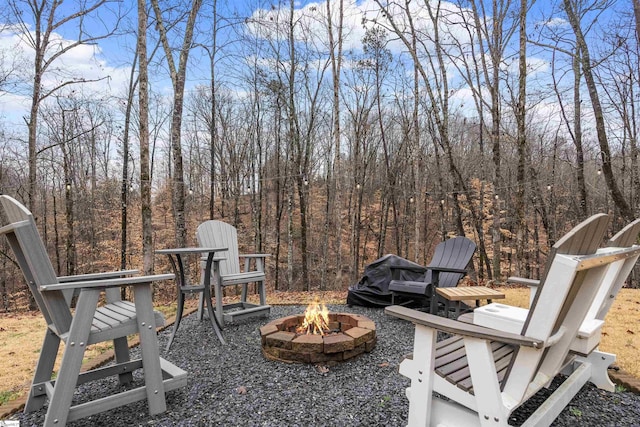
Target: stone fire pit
[349, 336]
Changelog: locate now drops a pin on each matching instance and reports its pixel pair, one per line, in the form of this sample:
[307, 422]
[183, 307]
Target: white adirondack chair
[485, 373]
[586, 343]
[214, 233]
[89, 323]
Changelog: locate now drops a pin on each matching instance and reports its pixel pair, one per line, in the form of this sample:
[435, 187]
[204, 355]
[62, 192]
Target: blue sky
[112, 58]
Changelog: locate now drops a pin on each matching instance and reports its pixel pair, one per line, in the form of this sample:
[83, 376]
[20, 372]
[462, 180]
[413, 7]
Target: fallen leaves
[322, 369]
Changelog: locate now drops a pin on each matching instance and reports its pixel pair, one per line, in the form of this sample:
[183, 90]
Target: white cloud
[554, 22]
[84, 62]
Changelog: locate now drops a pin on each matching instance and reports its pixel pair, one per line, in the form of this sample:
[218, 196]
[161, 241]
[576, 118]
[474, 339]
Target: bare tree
[48, 17]
[430, 59]
[619, 77]
[178, 75]
[333, 214]
[573, 12]
[520, 113]
[143, 129]
[636, 14]
[479, 55]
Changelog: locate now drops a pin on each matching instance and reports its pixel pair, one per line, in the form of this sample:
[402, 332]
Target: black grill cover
[373, 288]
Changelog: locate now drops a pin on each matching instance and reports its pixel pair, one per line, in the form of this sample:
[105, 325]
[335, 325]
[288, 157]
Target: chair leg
[262, 290]
[599, 371]
[149, 349]
[67, 379]
[420, 371]
[245, 293]
[121, 351]
[44, 371]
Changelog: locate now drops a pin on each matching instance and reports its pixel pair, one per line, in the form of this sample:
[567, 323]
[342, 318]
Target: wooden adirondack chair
[485, 373]
[587, 341]
[214, 233]
[447, 267]
[87, 324]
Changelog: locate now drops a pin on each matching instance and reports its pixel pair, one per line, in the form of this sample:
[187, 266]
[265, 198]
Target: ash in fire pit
[318, 336]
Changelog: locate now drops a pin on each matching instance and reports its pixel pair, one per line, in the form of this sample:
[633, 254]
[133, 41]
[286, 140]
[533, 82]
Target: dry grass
[21, 334]
[21, 338]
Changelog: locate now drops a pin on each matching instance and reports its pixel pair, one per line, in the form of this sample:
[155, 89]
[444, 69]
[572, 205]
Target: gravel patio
[234, 385]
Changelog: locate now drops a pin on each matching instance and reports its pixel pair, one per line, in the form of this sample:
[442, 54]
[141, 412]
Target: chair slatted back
[219, 234]
[584, 239]
[562, 301]
[580, 296]
[452, 253]
[626, 237]
[32, 257]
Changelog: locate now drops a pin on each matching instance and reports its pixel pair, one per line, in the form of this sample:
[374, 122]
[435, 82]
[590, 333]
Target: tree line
[476, 118]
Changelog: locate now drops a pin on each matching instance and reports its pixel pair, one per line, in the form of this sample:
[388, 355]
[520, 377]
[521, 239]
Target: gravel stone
[234, 385]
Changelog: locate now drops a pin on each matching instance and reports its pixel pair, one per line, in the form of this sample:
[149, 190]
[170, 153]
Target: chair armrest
[259, 260]
[523, 281]
[106, 283]
[446, 269]
[214, 259]
[97, 276]
[460, 328]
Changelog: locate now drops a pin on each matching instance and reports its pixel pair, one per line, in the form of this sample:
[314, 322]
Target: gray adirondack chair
[88, 324]
[484, 373]
[214, 233]
[446, 268]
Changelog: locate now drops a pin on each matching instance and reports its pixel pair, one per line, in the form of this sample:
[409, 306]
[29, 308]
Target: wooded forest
[330, 133]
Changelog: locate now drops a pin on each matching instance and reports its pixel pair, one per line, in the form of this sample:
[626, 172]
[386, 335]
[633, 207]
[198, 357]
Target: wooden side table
[459, 294]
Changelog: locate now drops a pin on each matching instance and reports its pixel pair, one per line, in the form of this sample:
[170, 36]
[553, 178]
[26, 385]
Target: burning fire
[316, 320]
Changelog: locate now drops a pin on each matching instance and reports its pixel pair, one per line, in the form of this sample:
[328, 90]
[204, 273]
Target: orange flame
[316, 320]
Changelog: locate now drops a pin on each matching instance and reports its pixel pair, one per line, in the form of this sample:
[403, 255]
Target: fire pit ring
[350, 336]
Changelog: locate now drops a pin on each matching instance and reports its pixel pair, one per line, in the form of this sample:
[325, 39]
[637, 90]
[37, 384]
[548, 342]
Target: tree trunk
[520, 113]
[605, 153]
[334, 189]
[143, 107]
[178, 75]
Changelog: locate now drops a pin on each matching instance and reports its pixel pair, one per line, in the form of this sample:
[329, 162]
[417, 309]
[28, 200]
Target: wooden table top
[469, 293]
